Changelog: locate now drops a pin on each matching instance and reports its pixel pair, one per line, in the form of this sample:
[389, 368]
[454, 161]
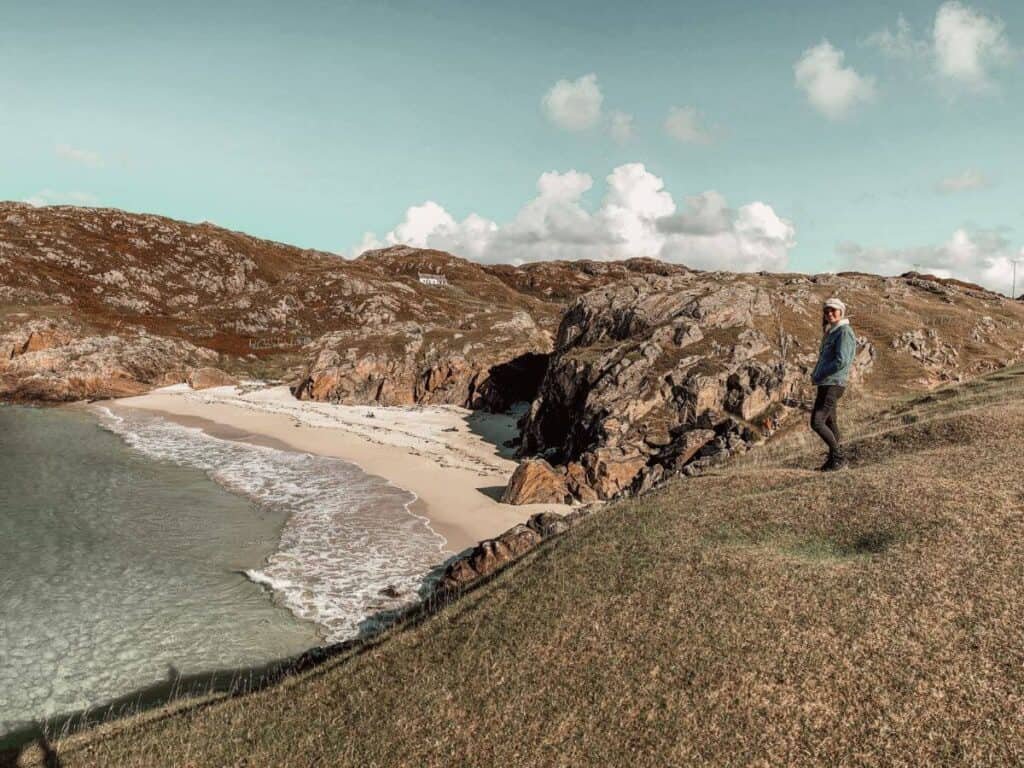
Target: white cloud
[620, 126]
[963, 46]
[704, 214]
[967, 44]
[898, 44]
[637, 217]
[574, 105]
[831, 88]
[49, 197]
[84, 157]
[686, 124]
[709, 235]
[983, 256]
[961, 182]
[421, 220]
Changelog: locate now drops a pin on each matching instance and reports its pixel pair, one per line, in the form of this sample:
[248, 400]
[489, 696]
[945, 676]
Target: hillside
[759, 614]
[99, 302]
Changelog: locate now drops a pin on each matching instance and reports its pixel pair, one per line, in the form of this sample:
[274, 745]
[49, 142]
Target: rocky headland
[656, 375]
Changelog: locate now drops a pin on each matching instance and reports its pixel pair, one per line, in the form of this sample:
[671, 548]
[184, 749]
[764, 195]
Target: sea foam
[349, 535]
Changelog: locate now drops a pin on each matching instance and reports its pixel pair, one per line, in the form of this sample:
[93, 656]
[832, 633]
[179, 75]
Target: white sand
[449, 457]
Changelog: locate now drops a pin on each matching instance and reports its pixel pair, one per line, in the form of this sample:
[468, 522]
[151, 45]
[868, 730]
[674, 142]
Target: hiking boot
[827, 465]
[835, 463]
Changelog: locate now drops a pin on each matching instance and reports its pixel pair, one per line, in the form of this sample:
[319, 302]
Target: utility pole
[1013, 290]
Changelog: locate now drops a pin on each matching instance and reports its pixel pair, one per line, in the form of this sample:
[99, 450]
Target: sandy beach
[450, 457]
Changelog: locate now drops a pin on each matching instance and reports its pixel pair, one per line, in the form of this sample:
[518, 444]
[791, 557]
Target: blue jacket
[836, 356]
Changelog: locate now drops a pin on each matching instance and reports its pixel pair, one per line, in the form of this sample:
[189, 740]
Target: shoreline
[450, 458]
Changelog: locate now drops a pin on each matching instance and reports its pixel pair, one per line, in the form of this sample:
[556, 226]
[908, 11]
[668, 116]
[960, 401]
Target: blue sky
[806, 136]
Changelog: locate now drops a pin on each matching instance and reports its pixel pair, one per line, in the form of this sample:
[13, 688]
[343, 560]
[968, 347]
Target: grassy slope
[763, 615]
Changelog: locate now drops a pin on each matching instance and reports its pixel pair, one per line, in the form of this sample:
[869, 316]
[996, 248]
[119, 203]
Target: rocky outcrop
[647, 372]
[666, 373]
[939, 358]
[411, 363]
[491, 555]
[535, 482]
[58, 362]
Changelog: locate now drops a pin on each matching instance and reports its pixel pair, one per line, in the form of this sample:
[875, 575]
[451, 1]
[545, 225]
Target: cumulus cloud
[574, 105]
[686, 124]
[620, 126]
[84, 157]
[982, 256]
[704, 214]
[50, 197]
[968, 44]
[636, 217]
[707, 234]
[831, 88]
[961, 182]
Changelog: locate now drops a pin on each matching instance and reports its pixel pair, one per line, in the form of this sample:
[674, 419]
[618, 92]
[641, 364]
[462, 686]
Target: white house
[429, 279]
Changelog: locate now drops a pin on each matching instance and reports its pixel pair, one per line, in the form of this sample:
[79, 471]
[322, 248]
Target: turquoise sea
[134, 551]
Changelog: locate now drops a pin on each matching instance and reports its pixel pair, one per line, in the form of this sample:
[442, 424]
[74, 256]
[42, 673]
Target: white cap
[836, 304]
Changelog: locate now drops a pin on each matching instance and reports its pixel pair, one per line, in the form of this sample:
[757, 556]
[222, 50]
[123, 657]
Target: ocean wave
[349, 535]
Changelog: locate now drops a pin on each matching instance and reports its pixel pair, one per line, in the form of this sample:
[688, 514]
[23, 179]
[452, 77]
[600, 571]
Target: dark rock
[489, 556]
[548, 524]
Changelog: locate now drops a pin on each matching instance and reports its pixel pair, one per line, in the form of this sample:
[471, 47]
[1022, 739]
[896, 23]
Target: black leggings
[823, 417]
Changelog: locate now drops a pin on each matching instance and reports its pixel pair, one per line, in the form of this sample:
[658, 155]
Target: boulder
[489, 556]
[548, 524]
[520, 539]
[208, 377]
[175, 376]
[536, 482]
[458, 574]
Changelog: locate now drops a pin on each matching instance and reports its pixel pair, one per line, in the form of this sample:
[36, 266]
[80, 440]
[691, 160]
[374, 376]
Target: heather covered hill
[760, 614]
[120, 302]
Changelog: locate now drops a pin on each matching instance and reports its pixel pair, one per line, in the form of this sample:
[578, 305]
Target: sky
[785, 136]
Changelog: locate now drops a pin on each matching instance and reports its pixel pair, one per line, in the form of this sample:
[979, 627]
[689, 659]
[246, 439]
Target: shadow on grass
[809, 547]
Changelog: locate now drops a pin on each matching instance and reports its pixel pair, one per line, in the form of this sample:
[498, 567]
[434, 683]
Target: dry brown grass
[762, 615]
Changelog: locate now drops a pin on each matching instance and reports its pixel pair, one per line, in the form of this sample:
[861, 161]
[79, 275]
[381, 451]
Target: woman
[838, 345]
